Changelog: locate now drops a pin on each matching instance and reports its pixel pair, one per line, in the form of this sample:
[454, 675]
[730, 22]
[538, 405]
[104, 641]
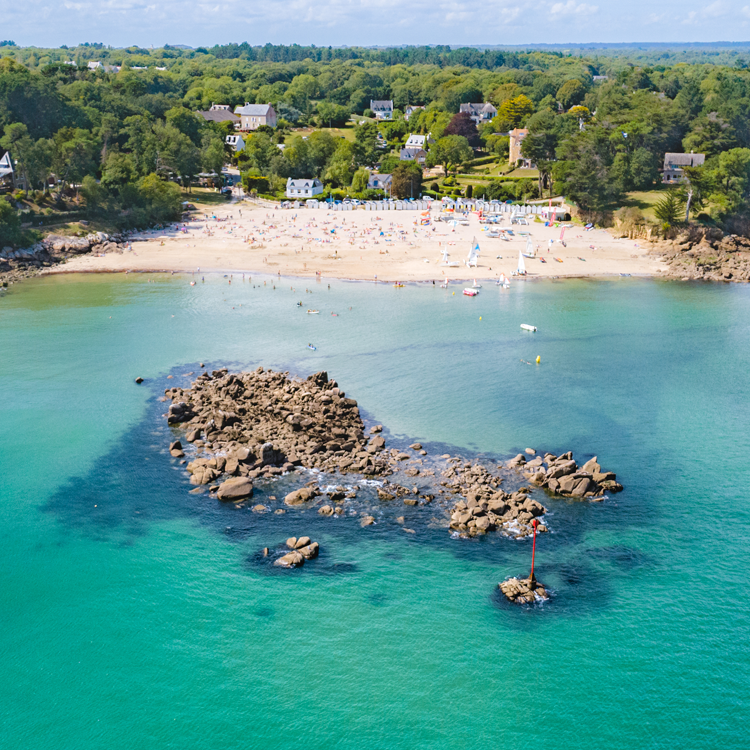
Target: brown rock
[291, 560]
[309, 551]
[367, 521]
[235, 489]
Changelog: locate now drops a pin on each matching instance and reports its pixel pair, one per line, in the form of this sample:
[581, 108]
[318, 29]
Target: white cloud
[717, 9]
[572, 8]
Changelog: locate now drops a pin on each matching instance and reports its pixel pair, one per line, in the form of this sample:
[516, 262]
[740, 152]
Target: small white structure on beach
[302, 189]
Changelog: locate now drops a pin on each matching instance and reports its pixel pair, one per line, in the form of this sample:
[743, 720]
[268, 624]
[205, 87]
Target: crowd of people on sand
[298, 240]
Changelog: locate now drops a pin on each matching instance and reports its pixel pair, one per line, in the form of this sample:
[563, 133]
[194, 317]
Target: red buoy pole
[534, 524]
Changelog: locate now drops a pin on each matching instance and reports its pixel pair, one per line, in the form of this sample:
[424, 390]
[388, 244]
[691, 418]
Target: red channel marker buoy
[534, 524]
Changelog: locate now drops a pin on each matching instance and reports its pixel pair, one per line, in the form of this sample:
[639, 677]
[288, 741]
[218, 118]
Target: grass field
[346, 132]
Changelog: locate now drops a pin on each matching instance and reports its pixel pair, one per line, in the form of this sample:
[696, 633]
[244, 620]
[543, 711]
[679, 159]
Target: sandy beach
[366, 245]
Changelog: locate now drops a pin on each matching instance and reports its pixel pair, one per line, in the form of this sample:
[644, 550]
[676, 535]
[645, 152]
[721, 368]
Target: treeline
[599, 126]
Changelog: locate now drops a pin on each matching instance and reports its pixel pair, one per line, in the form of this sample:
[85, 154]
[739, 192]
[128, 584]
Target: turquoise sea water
[135, 615]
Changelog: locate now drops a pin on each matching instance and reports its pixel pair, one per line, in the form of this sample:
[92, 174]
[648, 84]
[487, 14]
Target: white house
[419, 141]
[97, 65]
[379, 181]
[411, 110]
[236, 142]
[383, 110]
[418, 155]
[303, 188]
[252, 116]
[479, 112]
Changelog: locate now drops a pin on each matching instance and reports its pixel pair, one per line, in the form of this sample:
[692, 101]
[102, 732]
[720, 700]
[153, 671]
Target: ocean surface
[135, 615]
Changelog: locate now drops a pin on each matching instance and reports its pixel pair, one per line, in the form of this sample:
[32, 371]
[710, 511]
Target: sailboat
[475, 285]
[521, 270]
[473, 259]
[530, 249]
[446, 262]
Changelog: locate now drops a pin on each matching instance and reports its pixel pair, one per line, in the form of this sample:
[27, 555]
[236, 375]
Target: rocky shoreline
[706, 254]
[16, 265]
[246, 427]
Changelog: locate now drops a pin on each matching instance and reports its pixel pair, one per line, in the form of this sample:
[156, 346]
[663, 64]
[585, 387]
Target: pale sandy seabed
[387, 245]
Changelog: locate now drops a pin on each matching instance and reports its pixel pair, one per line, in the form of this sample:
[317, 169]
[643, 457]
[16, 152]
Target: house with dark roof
[252, 116]
[479, 112]
[220, 113]
[379, 181]
[675, 163]
[382, 109]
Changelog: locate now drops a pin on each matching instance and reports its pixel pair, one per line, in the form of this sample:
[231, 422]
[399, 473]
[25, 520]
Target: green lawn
[346, 132]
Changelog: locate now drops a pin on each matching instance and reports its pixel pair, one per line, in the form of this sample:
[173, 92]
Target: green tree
[513, 113]
[332, 115]
[162, 198]
[571, 93]
[366, 144]
[360, 180]
[10, 225]
[450, 151]
[407, 180]
[117, 171]
[670, 208]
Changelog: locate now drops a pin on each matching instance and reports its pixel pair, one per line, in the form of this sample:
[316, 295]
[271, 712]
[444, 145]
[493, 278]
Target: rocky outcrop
[560, 475]
[302, 549]
[259, 425]
[18, 264]
[708, 254]
[269, 423]
[523, 591]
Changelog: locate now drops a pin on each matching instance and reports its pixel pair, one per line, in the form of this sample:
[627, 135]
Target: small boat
[192, 283]
[542, 259]
[527, 327]
[335, 315]
[471, 292]
[398, 285]
[310, 346]
[299, 304]
[559, 260]
[313, 312]
[580, 258]
[475, 285]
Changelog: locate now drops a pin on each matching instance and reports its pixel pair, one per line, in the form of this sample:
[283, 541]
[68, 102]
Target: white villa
[419, 141]
[252, 116]
[382, 109]
[479, 112]
[303, 188]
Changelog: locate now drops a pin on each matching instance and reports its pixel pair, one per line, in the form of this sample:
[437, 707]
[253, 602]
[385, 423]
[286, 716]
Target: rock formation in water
[523, 591]
[258, 425]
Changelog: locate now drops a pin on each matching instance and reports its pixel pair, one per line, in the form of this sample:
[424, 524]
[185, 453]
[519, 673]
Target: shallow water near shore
[136, 615]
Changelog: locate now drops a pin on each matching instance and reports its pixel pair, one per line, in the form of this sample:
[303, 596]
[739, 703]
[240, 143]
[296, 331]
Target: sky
[120, 23]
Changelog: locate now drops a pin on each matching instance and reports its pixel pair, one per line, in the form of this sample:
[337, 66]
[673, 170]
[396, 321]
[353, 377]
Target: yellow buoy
[480, 317]
[454, 294]
[538, 360]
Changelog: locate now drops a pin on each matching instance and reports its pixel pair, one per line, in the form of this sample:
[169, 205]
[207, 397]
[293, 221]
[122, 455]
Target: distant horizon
[467, 45]
[377, 23]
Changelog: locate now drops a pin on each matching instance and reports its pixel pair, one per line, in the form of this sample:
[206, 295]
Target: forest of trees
[118, 142]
